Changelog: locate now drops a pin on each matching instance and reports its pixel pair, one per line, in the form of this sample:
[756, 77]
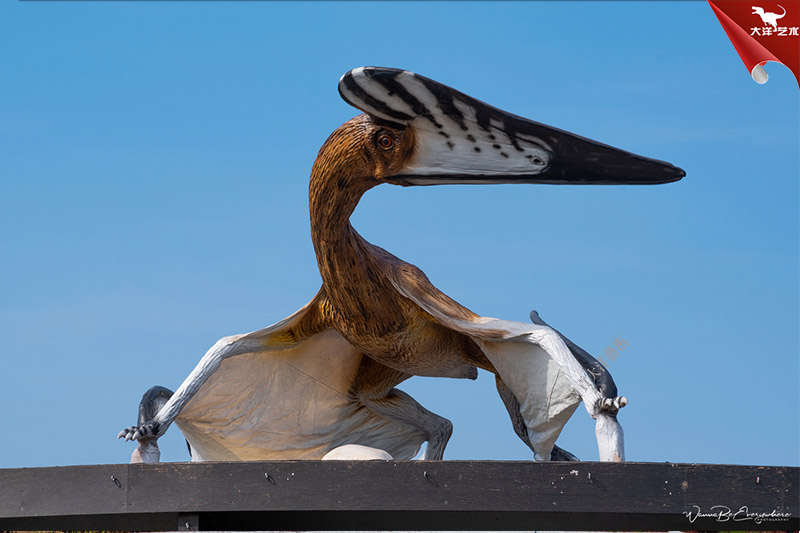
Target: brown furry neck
[347, 263]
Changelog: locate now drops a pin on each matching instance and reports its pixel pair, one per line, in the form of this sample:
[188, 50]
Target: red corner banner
[761, 32]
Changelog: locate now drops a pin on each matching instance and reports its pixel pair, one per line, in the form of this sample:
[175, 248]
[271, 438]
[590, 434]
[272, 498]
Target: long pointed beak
[458, 139]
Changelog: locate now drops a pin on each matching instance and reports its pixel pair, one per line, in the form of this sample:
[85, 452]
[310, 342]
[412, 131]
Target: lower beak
[527, 152]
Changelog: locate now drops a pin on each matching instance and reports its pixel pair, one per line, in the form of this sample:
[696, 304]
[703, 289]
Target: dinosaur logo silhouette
[767, 17]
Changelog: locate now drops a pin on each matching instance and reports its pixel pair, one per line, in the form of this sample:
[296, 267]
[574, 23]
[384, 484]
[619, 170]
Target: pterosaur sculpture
[326, 375]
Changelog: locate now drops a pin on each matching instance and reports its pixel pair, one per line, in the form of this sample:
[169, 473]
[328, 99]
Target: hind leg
[374, 388]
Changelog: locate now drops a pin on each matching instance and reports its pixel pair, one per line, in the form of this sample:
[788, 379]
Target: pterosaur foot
[559, 454]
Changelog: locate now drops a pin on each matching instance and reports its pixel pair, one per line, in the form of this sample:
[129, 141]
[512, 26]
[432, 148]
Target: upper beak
[458, 139]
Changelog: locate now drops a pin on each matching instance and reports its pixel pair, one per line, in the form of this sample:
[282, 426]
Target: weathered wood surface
[352, 495]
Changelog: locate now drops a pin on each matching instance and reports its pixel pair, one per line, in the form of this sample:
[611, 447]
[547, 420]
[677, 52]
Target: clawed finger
[613, 404]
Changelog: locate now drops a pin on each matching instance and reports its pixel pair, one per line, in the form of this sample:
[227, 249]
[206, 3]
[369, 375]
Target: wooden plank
[64, 490]
[454, 495]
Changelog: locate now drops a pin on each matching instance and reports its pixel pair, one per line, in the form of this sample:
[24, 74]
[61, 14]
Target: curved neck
[339, 179]
[350, 267]
[332, 200]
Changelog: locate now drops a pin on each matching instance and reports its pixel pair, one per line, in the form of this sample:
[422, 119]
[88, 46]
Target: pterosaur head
[449, 137]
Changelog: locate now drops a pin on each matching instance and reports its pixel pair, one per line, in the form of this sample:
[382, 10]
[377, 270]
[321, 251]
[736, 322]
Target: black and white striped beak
[459, 139]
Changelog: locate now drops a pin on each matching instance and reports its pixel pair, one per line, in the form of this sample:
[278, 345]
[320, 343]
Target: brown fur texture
[358, 295]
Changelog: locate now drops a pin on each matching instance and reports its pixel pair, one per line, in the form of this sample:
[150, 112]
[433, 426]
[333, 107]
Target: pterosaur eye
[385, 140]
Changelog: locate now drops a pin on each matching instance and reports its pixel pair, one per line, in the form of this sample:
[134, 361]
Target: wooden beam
[400, 495]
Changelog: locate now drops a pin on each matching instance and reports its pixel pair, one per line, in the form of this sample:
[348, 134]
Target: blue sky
[154, 162]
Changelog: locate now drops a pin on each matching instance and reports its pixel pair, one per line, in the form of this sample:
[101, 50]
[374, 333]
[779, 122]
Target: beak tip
[678, 174]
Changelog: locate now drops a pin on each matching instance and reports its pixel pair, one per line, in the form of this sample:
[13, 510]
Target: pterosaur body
[326, 376]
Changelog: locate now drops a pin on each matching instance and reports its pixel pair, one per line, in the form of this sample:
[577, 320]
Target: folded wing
[286, 394]
[533, 361]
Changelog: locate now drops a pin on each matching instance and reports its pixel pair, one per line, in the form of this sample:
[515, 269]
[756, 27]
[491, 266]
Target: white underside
[291, 404]
[295, 403]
